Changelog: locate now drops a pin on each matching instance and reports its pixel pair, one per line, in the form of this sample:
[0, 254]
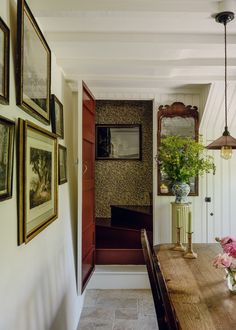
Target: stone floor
[118, 310]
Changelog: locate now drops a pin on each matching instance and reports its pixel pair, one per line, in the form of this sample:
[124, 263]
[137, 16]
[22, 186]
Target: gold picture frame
[57, 116]
[33, 66]
[7, 134]
[62, 164]
[4, 62]
[37, 179]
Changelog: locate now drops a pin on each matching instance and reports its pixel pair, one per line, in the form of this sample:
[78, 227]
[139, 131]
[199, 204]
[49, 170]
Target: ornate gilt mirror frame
[181, 120]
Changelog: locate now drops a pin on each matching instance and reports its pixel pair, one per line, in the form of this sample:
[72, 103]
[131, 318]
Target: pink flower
[227, 240]
[230, 248]
[222, 261]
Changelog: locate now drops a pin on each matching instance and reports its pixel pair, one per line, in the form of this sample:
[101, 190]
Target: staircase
[118, 239]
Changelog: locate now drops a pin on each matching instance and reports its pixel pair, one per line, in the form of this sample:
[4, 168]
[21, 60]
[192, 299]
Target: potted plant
[182, 158]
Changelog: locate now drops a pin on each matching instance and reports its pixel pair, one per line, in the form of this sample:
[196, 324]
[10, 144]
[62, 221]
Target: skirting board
[119, 277]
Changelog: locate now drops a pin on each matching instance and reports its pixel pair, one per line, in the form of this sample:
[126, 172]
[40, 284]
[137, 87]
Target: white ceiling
[138, 43]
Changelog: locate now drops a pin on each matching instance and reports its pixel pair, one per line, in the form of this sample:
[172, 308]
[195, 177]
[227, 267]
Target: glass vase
[230, 282]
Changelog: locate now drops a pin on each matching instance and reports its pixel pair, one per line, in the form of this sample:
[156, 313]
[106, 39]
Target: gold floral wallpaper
[124, 182]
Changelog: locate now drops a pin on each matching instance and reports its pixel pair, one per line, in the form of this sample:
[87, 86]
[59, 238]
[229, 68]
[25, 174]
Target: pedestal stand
[184, 209]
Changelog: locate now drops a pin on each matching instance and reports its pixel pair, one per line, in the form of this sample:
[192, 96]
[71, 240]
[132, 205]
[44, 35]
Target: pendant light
[226, 142]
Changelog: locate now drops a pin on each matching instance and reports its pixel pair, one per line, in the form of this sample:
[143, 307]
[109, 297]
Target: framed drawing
[62, 162]
[33, 66]
[4, 62]
[180, 120]
[7, 133]
[57, 117]
[117, 142]
[37, 179]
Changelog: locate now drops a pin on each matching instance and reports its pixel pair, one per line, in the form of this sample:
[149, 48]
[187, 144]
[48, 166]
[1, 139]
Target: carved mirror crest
[180, 120]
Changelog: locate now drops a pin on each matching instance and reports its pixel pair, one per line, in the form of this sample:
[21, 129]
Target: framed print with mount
[7, 133]
[57, 116]
[118, 142]
[4, 62]
[33, 66]
[37, 179]
[62, 162]
[176, 120]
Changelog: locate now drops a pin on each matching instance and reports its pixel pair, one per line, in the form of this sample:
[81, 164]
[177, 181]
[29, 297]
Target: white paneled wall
[221, 212]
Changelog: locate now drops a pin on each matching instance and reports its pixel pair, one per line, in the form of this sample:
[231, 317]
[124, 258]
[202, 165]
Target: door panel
[88, 197]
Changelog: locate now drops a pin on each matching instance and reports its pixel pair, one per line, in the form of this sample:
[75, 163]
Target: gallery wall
[124, 182]
[38, 286]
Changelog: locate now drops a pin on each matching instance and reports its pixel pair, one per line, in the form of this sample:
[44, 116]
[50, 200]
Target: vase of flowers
[227, 260]
[182, 158]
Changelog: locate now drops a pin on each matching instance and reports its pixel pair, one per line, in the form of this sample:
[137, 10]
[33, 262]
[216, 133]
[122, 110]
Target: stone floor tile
[117, 302]
[98, 313]
[95, 325]
[123, 325]
[126, 314]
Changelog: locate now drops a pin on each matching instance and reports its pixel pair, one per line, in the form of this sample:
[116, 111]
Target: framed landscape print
[33, 66]
[4, 62]
[62, 162]
[7, 133]
[37, 179]
[57, 117]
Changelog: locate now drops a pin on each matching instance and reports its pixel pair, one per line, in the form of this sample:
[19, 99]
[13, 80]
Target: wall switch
[207, 199]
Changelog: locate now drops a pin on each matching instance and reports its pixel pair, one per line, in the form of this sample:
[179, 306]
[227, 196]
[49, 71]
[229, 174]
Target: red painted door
[88, 196]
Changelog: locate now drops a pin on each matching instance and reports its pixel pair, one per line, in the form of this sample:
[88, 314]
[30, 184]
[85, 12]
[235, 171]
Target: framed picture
[33, 66]
[57, 117]
[4, 62]
[37, 179]
[117, 142]
[62, 162]
[7, 133]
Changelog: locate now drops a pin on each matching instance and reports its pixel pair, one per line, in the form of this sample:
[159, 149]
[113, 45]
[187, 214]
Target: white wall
[38, 280]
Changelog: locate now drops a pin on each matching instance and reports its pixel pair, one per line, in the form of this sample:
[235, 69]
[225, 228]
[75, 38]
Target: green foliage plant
[182, 158]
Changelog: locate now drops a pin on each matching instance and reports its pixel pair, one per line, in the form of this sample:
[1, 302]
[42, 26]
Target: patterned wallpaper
[124, 181]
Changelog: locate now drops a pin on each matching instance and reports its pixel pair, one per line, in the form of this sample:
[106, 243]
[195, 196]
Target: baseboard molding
[119, 277]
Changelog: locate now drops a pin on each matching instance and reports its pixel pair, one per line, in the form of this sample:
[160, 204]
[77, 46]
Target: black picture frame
[118, 142]
[4, 62]
[37, 180]
[62, 164]
[57, 117]
[33, 66]
[7, 136]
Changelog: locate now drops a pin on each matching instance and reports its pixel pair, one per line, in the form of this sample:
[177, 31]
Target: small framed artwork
[118, 142]
[33, 66]
[4, 62]
[57, 117]
[62, 168]
[7, 133]
[37, 179]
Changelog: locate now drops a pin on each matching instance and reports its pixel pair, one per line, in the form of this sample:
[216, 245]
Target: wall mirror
[180, 120]
[118, 142]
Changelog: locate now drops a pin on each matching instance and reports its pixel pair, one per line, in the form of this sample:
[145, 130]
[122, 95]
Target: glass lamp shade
[226, 152]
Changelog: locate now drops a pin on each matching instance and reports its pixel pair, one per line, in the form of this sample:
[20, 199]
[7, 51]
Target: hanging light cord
[226, 122]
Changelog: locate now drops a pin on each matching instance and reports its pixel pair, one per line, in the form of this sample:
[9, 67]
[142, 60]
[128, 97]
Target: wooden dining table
[198, 291]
